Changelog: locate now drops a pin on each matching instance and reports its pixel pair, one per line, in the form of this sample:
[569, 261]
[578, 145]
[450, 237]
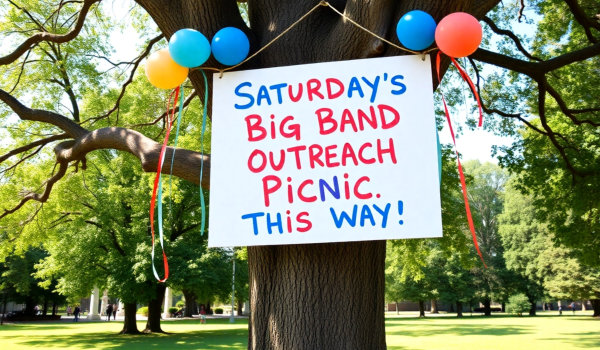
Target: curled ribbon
[460, 168]
[157, 188]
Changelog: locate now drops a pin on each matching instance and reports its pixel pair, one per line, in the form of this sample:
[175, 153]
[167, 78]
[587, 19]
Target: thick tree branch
[186, 163]
[511, 35]
[571, 57]
[45, 36]
[65, 124]
[583, 20]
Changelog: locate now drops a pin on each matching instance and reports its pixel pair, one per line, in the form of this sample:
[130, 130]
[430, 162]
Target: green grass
[546, 331]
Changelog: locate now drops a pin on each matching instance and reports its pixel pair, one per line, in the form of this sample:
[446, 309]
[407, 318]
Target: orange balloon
[163, 72]
[458, 34]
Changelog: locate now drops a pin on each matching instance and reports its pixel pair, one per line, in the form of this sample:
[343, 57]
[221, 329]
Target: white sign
[326, 152]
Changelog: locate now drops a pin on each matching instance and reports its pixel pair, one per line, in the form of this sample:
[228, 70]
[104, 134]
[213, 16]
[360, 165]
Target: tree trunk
[130, 325]
[533, 308]
[45, 307]
[154, 307]
[503, 307]
[421, 308]
[30, 306]
[487, 309]
[596, 307]
[583, 308]
[317, 296]
[459, 312]
[240, 307]
[54, 307]
[4, 301]
[190, 303]
[397, 309]
[434, 307]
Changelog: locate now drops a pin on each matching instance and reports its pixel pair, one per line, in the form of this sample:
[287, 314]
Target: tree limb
[45, 36]
[42, 198]
[65, 124]
[136, 63]
[511, 35]
[31, 145]
[583, 20]
[186, 162]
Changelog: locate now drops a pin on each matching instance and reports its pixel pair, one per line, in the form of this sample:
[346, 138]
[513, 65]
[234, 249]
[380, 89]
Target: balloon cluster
[457, 35]
[188, 48]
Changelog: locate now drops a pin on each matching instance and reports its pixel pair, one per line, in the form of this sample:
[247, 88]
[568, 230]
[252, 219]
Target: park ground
[546, 331]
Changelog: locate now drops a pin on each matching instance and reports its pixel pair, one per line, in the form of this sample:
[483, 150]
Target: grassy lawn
[405, 332]
[546, 331]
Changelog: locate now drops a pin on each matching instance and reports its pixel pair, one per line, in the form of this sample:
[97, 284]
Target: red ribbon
[466, 78]
[460, 168]
[170, 118]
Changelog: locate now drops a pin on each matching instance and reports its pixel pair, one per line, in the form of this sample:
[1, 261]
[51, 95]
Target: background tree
[21, 286]
[324, 36]
[525, 240]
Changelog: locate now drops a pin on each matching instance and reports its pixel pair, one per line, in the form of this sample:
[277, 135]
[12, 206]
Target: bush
[143, 311]
[518, 304]
[180, 304]
[173, 310]
[218, 311]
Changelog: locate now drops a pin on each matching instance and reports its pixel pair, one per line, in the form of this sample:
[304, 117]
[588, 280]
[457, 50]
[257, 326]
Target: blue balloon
[230, 46]
[416, 30]
[189, 48]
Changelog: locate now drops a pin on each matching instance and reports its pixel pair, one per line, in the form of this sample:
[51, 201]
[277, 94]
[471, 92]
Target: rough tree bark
[129, 324]
[318, 296]
[154, 308]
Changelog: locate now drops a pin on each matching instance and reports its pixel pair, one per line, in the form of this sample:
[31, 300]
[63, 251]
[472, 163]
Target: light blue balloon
[189, 48]
[230, 46]
[416, 30]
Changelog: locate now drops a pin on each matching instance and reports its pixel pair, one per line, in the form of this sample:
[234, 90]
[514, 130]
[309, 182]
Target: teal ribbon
[179, 114]
[204, 112]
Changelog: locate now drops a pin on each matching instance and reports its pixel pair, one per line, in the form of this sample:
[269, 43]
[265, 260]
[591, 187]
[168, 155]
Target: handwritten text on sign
[327, 152]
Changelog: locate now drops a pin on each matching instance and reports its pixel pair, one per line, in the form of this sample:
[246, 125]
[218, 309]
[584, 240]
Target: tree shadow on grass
[580, 339]
[419, 330]
[229, 339]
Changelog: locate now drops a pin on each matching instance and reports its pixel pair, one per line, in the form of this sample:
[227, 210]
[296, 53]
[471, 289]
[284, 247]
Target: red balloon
[458, 34]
